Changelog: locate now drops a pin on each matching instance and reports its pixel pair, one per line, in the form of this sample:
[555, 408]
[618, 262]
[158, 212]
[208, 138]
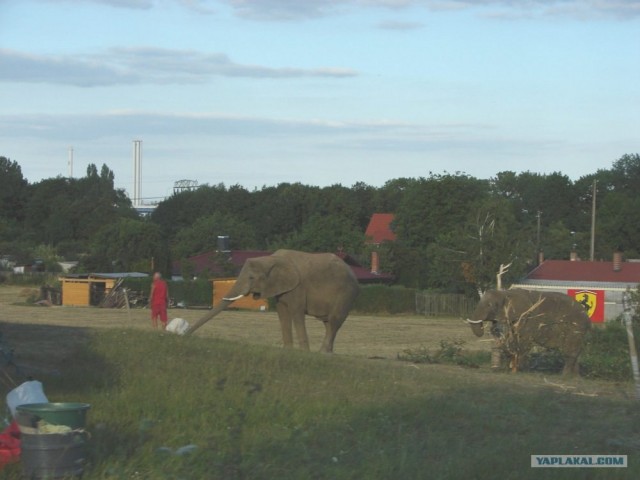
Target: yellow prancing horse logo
[588, 300]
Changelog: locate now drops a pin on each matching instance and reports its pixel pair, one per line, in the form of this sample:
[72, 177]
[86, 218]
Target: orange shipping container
[222, 286]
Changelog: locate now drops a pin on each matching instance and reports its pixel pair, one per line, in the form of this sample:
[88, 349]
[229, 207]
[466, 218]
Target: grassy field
[258, 412]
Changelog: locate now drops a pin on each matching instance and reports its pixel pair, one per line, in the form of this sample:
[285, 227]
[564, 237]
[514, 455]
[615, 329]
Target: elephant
[524, 318]
[317, 284]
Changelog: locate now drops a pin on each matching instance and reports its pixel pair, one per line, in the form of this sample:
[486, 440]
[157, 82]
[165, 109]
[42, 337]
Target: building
[366, 276]
[379, 229]
[598, 285]
[83, 290]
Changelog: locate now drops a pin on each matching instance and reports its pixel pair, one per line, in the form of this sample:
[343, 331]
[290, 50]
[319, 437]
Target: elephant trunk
[215, 311]
[477, 326]
[238, 291]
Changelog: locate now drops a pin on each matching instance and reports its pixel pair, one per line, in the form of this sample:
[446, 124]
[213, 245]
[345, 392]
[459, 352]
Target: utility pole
[70, 162]
[137, 173]
[593, 222]
[538, 215]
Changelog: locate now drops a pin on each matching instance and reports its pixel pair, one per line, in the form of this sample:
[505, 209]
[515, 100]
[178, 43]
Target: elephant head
[490, 308]
[262, 277]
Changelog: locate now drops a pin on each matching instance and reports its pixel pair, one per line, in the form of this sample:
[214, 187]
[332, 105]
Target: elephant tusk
[474, 321]
[233, 299]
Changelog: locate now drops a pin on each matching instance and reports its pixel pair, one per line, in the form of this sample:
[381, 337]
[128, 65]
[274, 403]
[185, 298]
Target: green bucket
[72, 415]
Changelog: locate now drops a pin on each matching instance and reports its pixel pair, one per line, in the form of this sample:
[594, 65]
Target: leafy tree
[48, 255]
[618, 224]
[127, 245]
[408, 264]
[625, 174]
[436, 205]
[181, 210]
[470, 255]
[202, 236]
[67, 209]
[13, 190]
[389, 197]
[552, 194]
[327, 233]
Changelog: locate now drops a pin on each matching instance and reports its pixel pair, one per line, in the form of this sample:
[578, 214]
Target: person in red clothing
[159, 300]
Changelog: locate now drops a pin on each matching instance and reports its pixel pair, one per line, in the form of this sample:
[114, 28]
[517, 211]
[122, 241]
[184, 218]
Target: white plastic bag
[178, 325]
[28, 392]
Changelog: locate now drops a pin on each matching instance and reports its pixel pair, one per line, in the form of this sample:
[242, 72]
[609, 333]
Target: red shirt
[159, 292]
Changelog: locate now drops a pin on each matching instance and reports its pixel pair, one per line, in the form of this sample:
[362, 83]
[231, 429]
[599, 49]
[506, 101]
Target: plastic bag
[28, 392]
[178, 325]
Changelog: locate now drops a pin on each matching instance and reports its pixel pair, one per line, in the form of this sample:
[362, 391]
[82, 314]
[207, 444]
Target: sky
[260, 92]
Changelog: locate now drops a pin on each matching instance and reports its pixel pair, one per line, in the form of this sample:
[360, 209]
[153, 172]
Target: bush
[449, 352]
[606, 353]
[385, 299]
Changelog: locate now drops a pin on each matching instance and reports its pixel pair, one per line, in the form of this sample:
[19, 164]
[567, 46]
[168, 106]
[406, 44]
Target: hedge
[384, 299]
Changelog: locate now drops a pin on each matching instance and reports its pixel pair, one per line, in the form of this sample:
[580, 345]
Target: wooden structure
[222, 286]
[89, 289]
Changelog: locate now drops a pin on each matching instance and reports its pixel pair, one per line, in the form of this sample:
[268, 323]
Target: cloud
[298, 9]
[132, 123]
[287, 10]
[400, 26]
[142, 65]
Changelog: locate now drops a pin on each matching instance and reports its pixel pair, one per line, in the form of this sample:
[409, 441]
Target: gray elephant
[317, 284]
[524, 318]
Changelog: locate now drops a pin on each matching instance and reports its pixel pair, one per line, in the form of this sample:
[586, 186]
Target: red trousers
[159, 311]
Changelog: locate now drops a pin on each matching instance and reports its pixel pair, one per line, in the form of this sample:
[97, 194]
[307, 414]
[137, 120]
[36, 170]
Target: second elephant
[524, 318]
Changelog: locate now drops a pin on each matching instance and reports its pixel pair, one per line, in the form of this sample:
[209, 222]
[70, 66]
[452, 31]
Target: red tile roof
[363, 274]
[585, 271]
[379, 228]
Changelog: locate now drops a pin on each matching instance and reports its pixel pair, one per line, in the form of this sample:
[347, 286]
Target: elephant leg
[285, 325]
[331, 327]
[329, 337]
[571, 366]
[496, 355]
[301, 331]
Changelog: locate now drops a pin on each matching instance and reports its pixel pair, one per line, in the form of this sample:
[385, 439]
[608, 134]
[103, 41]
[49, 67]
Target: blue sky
[258, 92]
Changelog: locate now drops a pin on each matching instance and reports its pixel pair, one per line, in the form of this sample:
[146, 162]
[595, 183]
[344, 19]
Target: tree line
[453, 230]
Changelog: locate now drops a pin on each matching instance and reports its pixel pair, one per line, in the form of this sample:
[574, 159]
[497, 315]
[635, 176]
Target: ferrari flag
[592, 301]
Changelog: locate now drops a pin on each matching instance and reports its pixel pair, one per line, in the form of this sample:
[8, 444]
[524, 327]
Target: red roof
[586, 271]
[363, 274]
[379, 228]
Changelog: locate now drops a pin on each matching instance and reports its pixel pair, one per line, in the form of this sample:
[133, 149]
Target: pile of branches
[514, 345]
[121, 297]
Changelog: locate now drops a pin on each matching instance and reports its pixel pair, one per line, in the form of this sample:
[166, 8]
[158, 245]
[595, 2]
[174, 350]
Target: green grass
[265, 413]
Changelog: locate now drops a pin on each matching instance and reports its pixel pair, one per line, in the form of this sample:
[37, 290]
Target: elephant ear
[282, 277]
